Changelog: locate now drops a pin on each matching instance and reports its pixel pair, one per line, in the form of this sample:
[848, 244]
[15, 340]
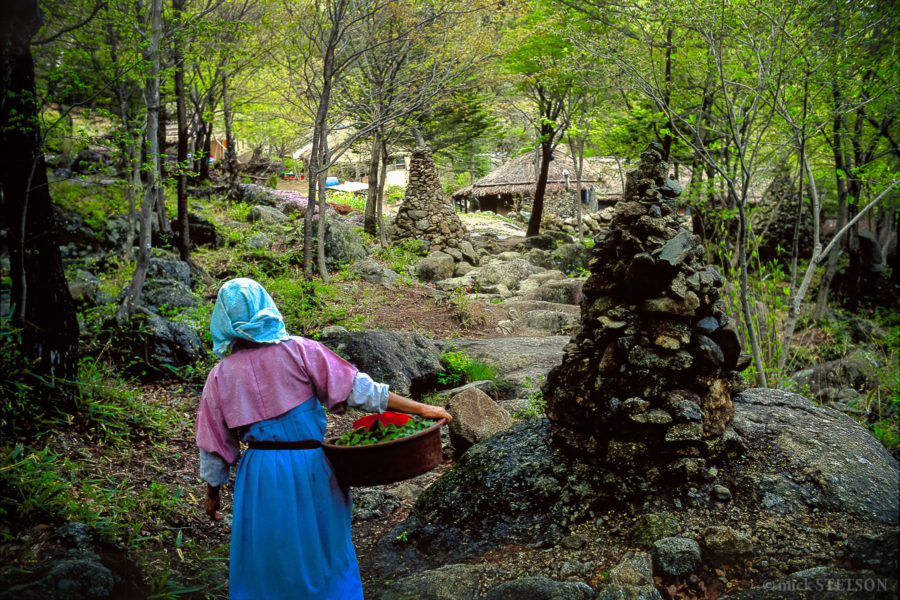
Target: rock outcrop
[407, 361]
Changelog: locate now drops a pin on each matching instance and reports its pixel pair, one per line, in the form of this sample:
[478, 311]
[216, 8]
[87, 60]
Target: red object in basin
[386, 418]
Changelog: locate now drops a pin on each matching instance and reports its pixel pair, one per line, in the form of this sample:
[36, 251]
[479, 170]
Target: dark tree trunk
[382, 179]
[667, 137]
[184, 239]
[42, 305]
[537, 208]
[370, 224]
[207, 149]
[230, 150]
[152, 192]
[162, 219]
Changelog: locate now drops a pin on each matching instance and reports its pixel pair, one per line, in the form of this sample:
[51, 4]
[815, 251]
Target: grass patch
[459, 369]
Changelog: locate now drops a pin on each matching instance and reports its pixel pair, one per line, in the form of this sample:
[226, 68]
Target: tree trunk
[184, 236]
[230, 152]
[151, 194]
[745, 297]
[132, 165]
[667, 137]
[326, 155]
[43, 309]
[320, 133]
[370, 224]
[537, 208]
[382, 180]
[576, 148]
[207, 151]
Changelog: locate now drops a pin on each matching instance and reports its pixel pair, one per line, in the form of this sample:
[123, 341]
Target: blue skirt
[290, 537]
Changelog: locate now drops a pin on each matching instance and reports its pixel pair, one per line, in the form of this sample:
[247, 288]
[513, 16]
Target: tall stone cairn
[646, 383]
[425, 214]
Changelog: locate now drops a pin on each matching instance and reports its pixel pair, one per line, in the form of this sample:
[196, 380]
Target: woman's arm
[406, 405]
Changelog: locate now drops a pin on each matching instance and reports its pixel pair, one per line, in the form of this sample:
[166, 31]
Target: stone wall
[425, 214]
[645, 385]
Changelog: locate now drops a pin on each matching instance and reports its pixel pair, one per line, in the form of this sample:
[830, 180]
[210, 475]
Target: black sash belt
[298, 445]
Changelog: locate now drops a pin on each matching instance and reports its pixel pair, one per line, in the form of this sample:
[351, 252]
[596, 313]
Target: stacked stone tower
[646, 383]
[425, 214]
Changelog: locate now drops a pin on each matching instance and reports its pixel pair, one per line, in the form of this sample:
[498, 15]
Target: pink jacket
[263, 382]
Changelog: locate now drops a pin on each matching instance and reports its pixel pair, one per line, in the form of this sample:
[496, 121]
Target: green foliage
[95, 203]
[394, 194]
[382, 433]
[460, 369]
[354, 201]
[19, 386]
[537, 405]
[400, 257]
[468, 313]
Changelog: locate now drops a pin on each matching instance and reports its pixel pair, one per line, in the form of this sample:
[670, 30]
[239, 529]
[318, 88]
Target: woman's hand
[213, 503]
[397, 402]
[435, 412]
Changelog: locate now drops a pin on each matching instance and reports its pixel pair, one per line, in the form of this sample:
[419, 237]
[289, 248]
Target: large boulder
[369, 269]
[831, 462]
[552, 322]
[167, 343]
[560, 291]
[437, 266]
[514, 487]
[541, 588]
[450, 582]
[250, 193]
[163, 268]
[266, 214]
[509, 273]
[167, 295]
[200, 231]
[343, 245]
[476, 417]
[407, 361]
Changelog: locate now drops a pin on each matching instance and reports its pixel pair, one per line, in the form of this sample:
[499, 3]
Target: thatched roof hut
[514, 184]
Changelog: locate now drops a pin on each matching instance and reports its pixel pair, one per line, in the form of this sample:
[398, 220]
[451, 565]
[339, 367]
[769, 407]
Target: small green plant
[460, 369]
[399, 258]
[454, 370]
[395, 194]
[537, 405]
[468, 313]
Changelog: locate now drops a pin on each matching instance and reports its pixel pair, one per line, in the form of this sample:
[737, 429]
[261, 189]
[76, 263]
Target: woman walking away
[290, 535]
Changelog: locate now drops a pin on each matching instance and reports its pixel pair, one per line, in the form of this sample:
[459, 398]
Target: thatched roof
[517, 176]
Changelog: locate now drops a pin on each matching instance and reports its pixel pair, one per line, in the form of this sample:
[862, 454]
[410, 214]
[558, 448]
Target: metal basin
[386, 462]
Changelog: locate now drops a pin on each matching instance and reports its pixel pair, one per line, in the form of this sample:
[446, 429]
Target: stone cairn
[646, 383]
[426, 215]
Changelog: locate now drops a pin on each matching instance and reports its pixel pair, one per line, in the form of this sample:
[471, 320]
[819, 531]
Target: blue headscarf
[245, 311]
